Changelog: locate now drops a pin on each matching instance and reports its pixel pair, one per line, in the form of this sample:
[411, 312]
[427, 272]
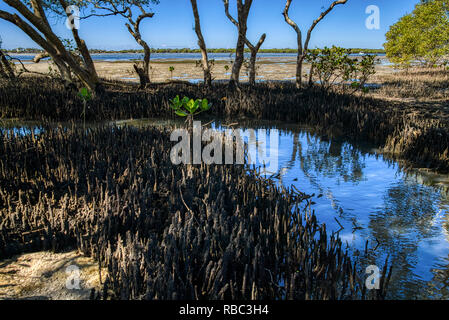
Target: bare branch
[261, 41]
[293, 24]
[40, 56]
[31, 32]
[226, 5]
[81, 46]
[202, 45]
[321, 17]
[247, 42]
[112, 13]
[25, 70]
[303, 48]
[39, 11]
[141, 17]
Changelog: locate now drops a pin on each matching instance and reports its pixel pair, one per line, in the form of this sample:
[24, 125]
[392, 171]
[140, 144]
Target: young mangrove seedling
[171, 69]
[85, 96]
[189, 108]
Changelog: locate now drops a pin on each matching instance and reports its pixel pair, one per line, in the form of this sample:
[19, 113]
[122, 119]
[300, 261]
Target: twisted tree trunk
[252, 61]
[143, 72]
[6, 70]
[243, 12]
[202, 45]
[124, 9]
[254, 49]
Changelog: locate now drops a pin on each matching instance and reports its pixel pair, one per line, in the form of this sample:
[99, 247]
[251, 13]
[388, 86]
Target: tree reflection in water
[374, 201]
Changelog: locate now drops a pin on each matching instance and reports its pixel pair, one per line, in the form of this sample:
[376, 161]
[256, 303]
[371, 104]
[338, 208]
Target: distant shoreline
[180, 58]
[186, 50]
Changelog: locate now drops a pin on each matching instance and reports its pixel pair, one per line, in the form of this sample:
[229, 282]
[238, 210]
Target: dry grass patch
[422, 84]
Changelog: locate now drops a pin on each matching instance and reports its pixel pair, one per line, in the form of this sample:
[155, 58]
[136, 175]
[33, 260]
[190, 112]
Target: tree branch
[112, 13]
[261, 41]
[81, 46]
[31, 32]
[37, 58]
[247, 42]
[321, 17]
[293, 24]
[226, 5]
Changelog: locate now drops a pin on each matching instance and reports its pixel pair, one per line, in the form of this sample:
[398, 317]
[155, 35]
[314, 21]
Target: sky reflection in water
[373, 200]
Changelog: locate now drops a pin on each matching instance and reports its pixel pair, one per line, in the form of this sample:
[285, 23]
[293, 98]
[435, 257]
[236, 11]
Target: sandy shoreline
[278, 68]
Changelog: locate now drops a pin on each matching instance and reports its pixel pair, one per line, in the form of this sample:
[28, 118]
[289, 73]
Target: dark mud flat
[164, 231]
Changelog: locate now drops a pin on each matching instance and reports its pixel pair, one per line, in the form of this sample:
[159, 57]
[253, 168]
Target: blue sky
[172, 25]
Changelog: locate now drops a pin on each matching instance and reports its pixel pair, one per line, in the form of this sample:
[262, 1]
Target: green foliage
[188, 107]
[422, 36]
[93, 6]
[85, 94]
[332, 64]
[171, 69]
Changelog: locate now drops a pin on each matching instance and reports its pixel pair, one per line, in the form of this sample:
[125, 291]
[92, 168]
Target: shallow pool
[364, 197]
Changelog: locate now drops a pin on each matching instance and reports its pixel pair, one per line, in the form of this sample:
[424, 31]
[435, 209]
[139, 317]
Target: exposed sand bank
[43, 276]
[267, 69]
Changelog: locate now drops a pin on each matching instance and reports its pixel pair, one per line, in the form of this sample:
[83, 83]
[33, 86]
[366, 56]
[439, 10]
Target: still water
[364, 197]
[373, 200]
[173, 56]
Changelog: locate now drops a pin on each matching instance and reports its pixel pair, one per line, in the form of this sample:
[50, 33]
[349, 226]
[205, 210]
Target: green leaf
[181, 113]
[84, 93]
[195, 106]
[174, 106]
[176, 103]
[190, 105]
[205, 105]
[184, 101]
